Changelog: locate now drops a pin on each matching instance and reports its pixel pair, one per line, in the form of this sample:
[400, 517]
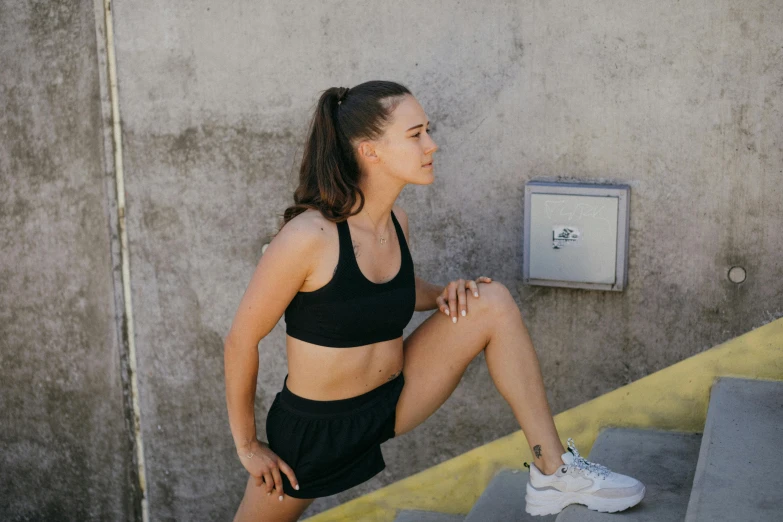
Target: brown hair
[329, 174]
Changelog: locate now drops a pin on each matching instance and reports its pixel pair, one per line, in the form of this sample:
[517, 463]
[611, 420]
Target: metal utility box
[576, 235]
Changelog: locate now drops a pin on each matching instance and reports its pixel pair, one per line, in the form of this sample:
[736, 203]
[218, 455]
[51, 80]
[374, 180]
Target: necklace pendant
[382, 240]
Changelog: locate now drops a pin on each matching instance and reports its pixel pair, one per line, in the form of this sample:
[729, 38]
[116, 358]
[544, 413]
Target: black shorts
[332, 445]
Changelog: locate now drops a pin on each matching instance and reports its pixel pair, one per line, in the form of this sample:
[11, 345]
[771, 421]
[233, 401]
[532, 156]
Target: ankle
[549, 467]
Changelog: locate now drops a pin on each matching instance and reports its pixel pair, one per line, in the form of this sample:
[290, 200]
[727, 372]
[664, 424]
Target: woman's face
[406, 149]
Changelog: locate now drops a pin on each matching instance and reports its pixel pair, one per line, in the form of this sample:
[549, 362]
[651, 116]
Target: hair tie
[342, 96]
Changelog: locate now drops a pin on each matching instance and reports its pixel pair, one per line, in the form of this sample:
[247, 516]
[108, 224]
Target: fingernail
[268, 493]
[446, 312]
[296, 487]
[475, 294]
[453, 319]
[463, 313]
[281, 498]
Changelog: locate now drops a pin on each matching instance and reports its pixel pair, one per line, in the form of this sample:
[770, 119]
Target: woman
[340, 271]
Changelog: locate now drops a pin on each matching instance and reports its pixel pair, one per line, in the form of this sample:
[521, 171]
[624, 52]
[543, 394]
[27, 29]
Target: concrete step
[738, 476]
[504, 500]
[664, 461]
[416, 515]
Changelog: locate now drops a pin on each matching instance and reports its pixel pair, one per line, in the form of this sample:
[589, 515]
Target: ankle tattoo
[537, 451]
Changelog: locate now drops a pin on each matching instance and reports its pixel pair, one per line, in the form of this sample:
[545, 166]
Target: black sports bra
[350, 310]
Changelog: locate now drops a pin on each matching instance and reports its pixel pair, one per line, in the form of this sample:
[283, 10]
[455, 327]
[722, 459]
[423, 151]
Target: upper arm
[283, 268]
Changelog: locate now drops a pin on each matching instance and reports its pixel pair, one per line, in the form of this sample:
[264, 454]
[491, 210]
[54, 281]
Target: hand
[263, 464]
[453, 296]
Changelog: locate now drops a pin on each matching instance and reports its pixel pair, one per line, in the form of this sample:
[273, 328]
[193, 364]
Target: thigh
[257, 506]
[438, 352]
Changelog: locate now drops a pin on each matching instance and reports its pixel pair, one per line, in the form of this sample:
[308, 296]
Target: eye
[429, 131]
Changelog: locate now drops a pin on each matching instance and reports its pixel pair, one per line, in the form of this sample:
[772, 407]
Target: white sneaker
[580, 481]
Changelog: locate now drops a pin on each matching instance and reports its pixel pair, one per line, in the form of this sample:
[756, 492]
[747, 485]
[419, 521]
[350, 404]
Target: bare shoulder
[303, 239]
[402, 217]
[310, 229]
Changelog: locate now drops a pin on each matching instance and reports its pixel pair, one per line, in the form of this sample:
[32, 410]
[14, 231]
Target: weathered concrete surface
[504, 500]
[414, 515]
[65, 450]
[681, 101]
[738, 473]
[664, 462]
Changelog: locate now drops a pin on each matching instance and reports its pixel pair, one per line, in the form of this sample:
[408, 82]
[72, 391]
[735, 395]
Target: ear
[366, 151]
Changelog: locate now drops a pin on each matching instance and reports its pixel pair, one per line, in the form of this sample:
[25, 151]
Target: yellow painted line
[675, 398]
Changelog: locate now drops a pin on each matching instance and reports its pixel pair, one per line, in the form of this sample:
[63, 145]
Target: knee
[495, 298]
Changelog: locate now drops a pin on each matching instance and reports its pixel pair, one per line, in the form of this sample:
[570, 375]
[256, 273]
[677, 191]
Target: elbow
[232, 346]
[228, 339]
[228, 342]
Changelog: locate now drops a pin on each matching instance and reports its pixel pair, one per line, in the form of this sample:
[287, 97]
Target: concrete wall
[66, 450]
[680, 101]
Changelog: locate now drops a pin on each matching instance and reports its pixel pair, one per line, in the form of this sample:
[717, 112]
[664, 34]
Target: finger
[444, 298]
[486, 279]
[453, 302]
[473, 287]
[285, 468]
[462, 299]
[259, 480]
[442, 306]
[278, 481]
[270, 483]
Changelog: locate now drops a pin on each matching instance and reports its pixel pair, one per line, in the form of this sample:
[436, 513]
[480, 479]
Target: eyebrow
[416, 126]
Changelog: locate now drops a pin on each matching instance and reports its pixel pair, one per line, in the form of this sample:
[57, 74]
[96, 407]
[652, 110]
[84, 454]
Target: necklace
[381, 239]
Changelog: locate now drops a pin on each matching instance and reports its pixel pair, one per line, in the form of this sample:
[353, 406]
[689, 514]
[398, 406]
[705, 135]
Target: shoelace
[581, 463]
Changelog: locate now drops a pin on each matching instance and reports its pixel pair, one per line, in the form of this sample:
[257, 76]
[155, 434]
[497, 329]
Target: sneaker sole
[551, 502]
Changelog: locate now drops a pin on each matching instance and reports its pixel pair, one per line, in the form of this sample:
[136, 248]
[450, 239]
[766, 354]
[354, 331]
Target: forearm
[426, 295]
[241, 369]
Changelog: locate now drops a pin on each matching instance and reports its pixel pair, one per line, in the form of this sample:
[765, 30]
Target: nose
[432, 146]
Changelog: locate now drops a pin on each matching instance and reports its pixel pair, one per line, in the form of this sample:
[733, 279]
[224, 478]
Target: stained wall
[681, 101]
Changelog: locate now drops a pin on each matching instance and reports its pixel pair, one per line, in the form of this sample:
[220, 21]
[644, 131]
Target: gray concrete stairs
[415, 515]
[739, 474]
[665, 462]
[730, 473]
[504, 500]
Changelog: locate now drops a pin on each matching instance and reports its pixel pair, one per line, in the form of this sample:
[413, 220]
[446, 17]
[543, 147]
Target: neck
[378, 202]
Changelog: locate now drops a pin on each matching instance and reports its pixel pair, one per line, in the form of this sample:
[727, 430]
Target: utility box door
[573, 238]
[576, 235]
